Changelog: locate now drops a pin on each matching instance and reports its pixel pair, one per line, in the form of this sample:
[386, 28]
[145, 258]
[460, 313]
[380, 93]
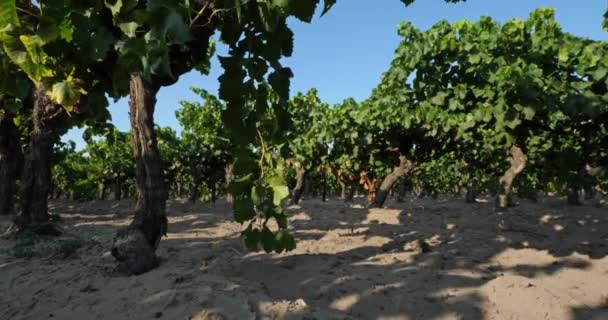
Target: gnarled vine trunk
[324, 182]
[351, 192]
[589, 192]
[573, 194]
[36, 175]
[136, 244]
[372, 188]
[194, 192]
[309, 191]
[117, 190]
[371, 185]
[102, 191]
[300, 182]
[588, 171]
[583, 182]
[518, 160]
[406, 166]
[343, 189]
[213, 192]
[472, 190]
[347, 189]
[402, 191]
[228, 178]
[10, 152]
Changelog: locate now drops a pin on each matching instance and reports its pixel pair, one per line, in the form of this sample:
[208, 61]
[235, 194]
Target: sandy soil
[538, 261]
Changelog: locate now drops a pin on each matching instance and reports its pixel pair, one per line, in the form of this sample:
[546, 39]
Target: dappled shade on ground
[537, 261]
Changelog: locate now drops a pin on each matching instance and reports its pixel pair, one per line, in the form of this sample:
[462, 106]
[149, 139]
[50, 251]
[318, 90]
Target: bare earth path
[541, 260]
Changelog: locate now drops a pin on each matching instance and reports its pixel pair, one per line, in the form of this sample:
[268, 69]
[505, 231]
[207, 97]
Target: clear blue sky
[344, 53]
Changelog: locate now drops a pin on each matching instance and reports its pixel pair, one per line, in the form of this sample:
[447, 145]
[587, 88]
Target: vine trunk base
[518, 160]
[406, 166]
[36, 177]
[134, 246]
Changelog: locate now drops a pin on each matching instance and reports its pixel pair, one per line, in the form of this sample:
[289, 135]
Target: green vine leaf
[8, 13]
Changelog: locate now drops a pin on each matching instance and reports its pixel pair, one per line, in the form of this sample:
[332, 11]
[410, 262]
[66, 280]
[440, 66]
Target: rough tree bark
[347, 189]
[309, 191]
[52, 190]
[345, 182]
[117, 190]
[518, 160]
[343, 188]
[179, 190]
[300, 182]
[36, 175]
[228, 179]
[10, 152]
[134, 246]
[324, 181]
[372, 186]
[582, 182]
[588, 171]
[213, 192]
[351, 192]
[194, 192]
[406, 166]
[573, 194]
[472, 190]
[402, 191]
[589, 192]
[102, 191]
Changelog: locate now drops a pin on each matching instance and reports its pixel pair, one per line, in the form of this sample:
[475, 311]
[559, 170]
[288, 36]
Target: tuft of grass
[43, 240]
[30, 245]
